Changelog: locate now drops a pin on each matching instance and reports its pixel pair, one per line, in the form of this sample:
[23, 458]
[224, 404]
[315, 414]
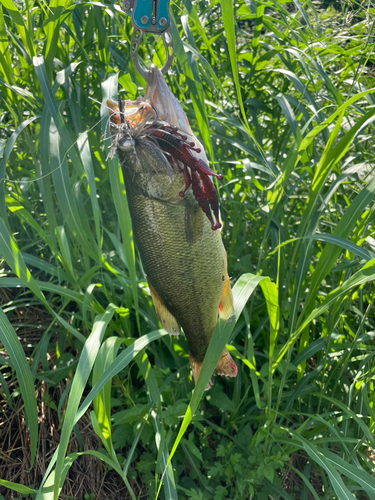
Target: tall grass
[282, 97]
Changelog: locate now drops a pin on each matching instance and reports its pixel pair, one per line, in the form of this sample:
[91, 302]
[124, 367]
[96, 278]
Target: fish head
[126, 119]
[160, 104]
[142, 161]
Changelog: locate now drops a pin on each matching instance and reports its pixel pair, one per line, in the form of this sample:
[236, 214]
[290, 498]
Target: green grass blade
[117, 365]
[20, 25]
[65, 249]
[308, 139]
[50, 102]
[3, 162]
[329, 159]
[351, 414]
[342, 230]
[13, 257]
[194, 83]
[47, 493]
[163, 463]
[355, 249]
[109, 90]
[45, 184]
[208, 68]
[17, 208]
[5, 389]
[303, 13]
[60, 174]
[306, 482]
[228, 21]
[272, 489]
[338, 241]
[121, 362]
[341, 490]
[270, 293]
[46, 286]
[84, 150]
[356, 474]
[102, 402]
[70, 294]
[5, 58]
[13, 347]
[85, 364]
[366, 274]
[24, 490]
[193, 14]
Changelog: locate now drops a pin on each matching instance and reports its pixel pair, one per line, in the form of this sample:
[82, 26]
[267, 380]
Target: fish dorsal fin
[167, 320]
[226, 309]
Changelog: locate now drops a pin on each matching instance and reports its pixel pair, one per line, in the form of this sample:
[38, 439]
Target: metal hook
[135, 42]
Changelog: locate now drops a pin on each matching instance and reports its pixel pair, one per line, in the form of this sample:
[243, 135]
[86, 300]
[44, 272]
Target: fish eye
[126, 146]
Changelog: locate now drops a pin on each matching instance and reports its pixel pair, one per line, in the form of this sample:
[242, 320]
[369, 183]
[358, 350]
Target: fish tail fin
[225, 367]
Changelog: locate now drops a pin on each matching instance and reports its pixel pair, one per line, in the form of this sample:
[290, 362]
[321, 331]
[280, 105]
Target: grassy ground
[282, 96]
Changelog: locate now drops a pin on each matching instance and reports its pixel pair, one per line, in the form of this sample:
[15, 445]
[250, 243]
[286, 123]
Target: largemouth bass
[175, 217]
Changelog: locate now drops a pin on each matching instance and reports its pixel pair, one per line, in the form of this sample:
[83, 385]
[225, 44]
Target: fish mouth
[133, 113]
[158, 104]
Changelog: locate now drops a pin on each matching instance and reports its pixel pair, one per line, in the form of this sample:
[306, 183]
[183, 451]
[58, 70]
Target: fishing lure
[145, 124]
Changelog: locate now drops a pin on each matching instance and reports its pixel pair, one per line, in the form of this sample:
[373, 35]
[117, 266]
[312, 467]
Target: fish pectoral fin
[193, 225]
[226, 309]
[226, 367]
[167, 320]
